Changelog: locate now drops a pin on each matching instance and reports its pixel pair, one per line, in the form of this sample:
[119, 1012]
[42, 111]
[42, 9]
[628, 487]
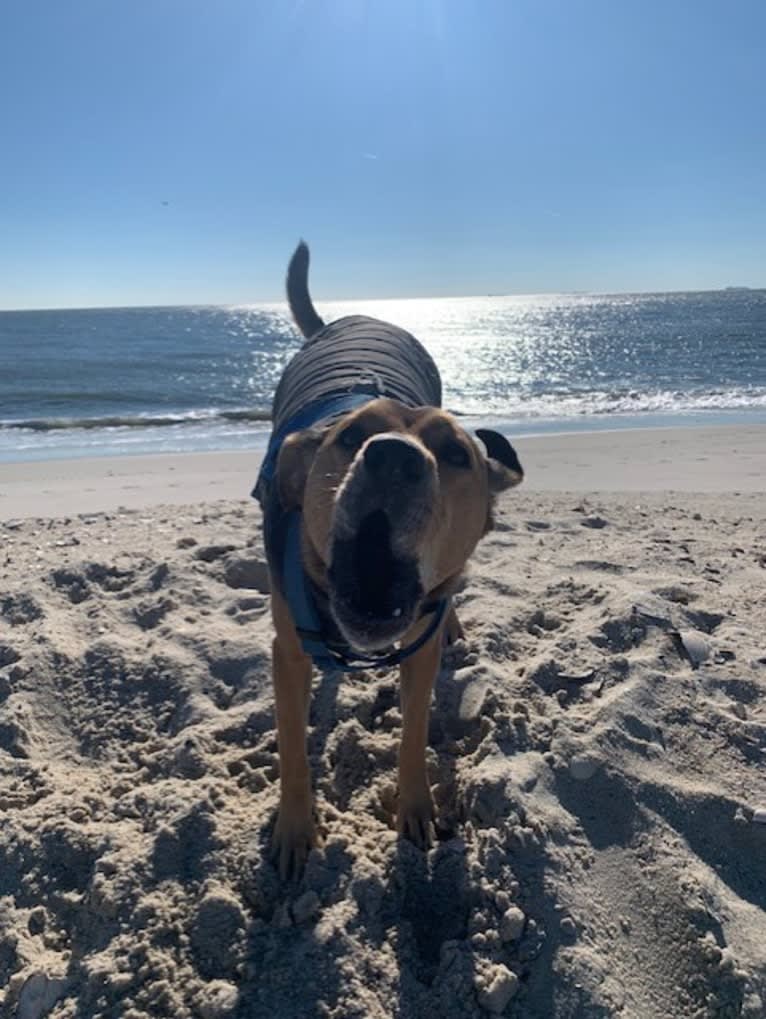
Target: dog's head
[394, 501]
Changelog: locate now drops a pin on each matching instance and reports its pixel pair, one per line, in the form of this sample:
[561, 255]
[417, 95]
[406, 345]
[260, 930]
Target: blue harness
[327, 654]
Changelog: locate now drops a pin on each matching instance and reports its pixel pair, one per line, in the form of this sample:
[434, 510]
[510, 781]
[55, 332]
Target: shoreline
[59, 444]
[723, 458]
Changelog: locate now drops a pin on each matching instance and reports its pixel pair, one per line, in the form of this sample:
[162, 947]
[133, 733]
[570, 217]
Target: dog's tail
[298, 296]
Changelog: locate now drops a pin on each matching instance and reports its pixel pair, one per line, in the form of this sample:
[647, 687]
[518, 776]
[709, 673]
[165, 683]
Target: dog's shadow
[422, 907]
[417, 909]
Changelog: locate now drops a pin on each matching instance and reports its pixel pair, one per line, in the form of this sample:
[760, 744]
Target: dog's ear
[503, 467]
[294, 463]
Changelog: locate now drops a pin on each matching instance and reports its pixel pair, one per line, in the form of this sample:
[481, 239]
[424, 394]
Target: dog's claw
[415, 823]
[291, 844]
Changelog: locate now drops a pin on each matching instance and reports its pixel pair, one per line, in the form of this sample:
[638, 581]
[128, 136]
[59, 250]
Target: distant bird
[166, 203]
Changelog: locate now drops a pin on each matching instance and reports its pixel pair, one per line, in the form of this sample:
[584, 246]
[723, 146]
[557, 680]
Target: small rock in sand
[242, 572]
[502, 899]
[512, 924]
[209, 553]
[218, 1000]
[39, 994]
[595, 522]
[472, 701]
[584, 766]
[694, 647]
[500, 985]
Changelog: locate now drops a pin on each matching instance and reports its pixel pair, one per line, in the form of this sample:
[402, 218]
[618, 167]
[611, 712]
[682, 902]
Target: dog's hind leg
[415, 811]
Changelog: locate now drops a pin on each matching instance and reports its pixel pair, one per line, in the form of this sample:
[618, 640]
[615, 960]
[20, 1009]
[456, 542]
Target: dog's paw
[293, 839]
[414, 821]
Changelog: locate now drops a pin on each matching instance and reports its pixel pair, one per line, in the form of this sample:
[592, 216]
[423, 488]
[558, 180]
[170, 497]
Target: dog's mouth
[374, 593]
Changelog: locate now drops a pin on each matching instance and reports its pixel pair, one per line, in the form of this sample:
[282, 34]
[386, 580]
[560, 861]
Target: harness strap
[302, 605]
[314, 413]
[308, 623]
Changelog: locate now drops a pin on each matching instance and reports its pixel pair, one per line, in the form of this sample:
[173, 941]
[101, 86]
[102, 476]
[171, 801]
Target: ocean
[150, 380]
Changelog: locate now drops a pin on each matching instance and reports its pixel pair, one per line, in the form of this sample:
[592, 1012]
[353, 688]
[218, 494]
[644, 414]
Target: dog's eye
[351, 438]
[454, 454]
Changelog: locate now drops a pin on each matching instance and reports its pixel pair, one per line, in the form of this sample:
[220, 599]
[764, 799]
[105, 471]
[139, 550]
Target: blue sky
[422, 147]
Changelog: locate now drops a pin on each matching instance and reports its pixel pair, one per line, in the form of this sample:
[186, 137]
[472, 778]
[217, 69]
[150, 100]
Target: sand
[597, 754]
[723, 459]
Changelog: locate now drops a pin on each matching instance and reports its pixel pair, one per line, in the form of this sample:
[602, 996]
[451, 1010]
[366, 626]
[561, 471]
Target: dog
[373, 499]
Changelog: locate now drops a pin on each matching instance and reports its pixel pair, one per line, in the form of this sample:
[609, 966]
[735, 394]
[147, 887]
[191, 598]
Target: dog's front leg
[294, 832]
[415, 810]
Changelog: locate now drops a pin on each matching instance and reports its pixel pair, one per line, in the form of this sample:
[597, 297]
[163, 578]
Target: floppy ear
[294, 463]
[503, 467]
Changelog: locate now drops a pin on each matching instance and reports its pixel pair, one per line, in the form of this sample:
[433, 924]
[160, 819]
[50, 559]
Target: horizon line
[349, 300]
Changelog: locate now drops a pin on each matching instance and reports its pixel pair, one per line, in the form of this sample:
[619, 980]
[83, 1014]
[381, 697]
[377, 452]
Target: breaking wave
[57, 424]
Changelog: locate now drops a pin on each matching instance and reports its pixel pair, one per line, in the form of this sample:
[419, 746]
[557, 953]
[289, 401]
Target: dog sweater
[345, 364]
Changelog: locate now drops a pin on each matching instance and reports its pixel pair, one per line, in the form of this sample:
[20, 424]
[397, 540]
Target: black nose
[389, 456]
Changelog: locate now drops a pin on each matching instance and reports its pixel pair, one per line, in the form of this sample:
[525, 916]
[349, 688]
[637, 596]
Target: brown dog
[373, 500]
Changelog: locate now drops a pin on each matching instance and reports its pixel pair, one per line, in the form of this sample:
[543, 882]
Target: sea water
[141, 380]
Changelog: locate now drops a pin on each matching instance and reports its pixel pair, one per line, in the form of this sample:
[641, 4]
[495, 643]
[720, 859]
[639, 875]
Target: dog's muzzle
[380, 514]
[374, 594]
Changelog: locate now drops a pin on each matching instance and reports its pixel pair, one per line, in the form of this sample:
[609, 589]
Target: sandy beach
[598, 744]
[713, 459]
